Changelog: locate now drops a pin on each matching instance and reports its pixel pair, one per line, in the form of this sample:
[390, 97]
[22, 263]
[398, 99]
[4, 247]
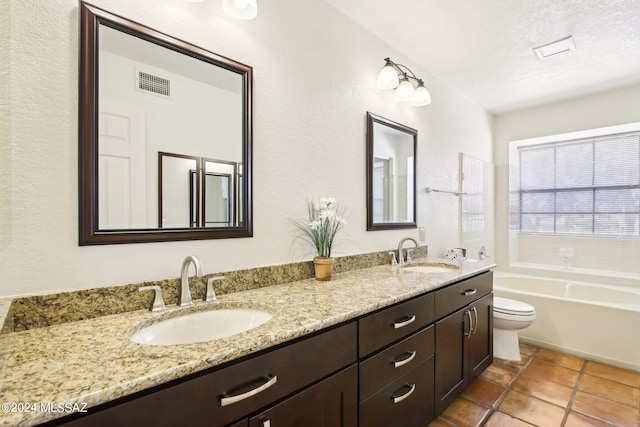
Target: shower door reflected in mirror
[391, 154]
[196, 192]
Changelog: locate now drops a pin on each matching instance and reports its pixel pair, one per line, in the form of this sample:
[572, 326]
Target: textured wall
[315, 74]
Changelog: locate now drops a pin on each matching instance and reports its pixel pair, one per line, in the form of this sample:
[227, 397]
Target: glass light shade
[404, 92]
[388, 78]
[421, 96]
[240, 9]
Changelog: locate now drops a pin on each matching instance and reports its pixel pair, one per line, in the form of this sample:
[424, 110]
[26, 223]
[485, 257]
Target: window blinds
[584, 187]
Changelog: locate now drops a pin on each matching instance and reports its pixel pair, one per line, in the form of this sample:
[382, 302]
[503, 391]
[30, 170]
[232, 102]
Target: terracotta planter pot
[323, 268]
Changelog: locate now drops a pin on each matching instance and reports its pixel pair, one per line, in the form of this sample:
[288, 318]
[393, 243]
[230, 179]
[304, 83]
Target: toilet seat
[510, 307]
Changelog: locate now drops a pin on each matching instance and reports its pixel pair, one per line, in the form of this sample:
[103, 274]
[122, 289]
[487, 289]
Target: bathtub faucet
[482, 253]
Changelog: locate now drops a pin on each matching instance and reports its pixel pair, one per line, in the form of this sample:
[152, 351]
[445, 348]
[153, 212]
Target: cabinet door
[451, 357]
[332, 402]
[464, 349]
[481, 339]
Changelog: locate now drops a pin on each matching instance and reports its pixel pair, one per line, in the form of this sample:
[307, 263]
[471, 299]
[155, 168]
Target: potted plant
[325, 220]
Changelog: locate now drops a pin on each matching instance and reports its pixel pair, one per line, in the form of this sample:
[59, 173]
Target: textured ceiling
[483, 48]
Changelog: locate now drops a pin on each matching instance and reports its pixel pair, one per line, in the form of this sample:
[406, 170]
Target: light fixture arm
[403, 70]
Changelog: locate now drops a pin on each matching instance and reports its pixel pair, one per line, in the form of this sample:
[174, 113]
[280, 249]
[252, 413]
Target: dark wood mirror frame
[89, 232]
[372, 119]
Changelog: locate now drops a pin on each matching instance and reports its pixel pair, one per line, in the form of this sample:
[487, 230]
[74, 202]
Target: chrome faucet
[400, 255]
[482, 253]
[185, 293]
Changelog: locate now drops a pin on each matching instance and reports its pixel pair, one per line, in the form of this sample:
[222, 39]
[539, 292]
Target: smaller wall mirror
[391, 174]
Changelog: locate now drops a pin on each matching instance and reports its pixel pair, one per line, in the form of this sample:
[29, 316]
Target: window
[588, 186]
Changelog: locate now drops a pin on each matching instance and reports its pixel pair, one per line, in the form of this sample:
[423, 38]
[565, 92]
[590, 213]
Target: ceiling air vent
[154, 84]
[554, 48]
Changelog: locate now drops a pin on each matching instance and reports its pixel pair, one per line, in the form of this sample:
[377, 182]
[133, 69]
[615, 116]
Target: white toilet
[509, 316]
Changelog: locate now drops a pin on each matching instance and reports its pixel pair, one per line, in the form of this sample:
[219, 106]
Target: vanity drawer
[199, 401]
[384, 367]
[394, 323]
[408, 401]
[451, 298]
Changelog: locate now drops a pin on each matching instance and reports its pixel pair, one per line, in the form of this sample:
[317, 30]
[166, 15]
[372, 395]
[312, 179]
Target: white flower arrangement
[325, 220]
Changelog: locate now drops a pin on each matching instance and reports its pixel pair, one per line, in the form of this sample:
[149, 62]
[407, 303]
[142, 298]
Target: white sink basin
[431, 268]
[200, 326]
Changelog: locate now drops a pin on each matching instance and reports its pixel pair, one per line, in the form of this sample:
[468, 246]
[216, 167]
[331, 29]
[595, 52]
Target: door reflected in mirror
[391, 175]
[155, 112]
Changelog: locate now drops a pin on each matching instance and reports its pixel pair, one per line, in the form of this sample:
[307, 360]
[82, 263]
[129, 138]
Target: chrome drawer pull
[412, 355]
[398, 325]
[398, 399]
[224, 401]
[475, 314]
[469, 292]
[468, 334]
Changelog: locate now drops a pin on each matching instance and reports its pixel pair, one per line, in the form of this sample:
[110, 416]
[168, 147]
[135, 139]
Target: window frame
[583, 137]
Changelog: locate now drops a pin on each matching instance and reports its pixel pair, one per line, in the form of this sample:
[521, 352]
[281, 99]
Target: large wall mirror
[391, 174]
[165, 137]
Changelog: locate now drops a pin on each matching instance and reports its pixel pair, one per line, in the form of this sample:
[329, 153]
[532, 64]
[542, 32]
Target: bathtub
[596, 321]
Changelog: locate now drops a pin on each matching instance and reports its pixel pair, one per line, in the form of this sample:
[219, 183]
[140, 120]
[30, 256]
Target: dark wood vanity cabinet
[402, 365]
[396, 377]
[266, 384]
[464, 338]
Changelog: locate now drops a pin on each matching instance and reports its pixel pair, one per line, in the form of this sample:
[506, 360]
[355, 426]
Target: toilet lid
[511, 306]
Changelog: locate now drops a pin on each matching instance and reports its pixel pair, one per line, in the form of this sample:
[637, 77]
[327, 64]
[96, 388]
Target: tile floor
[547, 389]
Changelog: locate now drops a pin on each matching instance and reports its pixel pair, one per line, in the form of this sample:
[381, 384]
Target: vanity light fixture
[240, 9]
[401, 78]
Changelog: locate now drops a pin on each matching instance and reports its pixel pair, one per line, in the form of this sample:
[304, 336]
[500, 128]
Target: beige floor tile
[553, 372]
[562, 359]
[500, 374]
[578, 420]
[500, 419]
[606, 410]
[465, 413]
[439, 422]
[484, 391]
[527, 349]
[516, 364]
[532, 410]
[544, 389]
[611, 390]
[613, 373]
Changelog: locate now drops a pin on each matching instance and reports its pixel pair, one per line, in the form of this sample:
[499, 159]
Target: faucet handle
[211, 294]
[409, 253]
[482, 253]
[158, 302]
[394, 261]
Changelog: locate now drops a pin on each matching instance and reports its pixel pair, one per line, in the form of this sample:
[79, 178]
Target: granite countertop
[92, 361]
